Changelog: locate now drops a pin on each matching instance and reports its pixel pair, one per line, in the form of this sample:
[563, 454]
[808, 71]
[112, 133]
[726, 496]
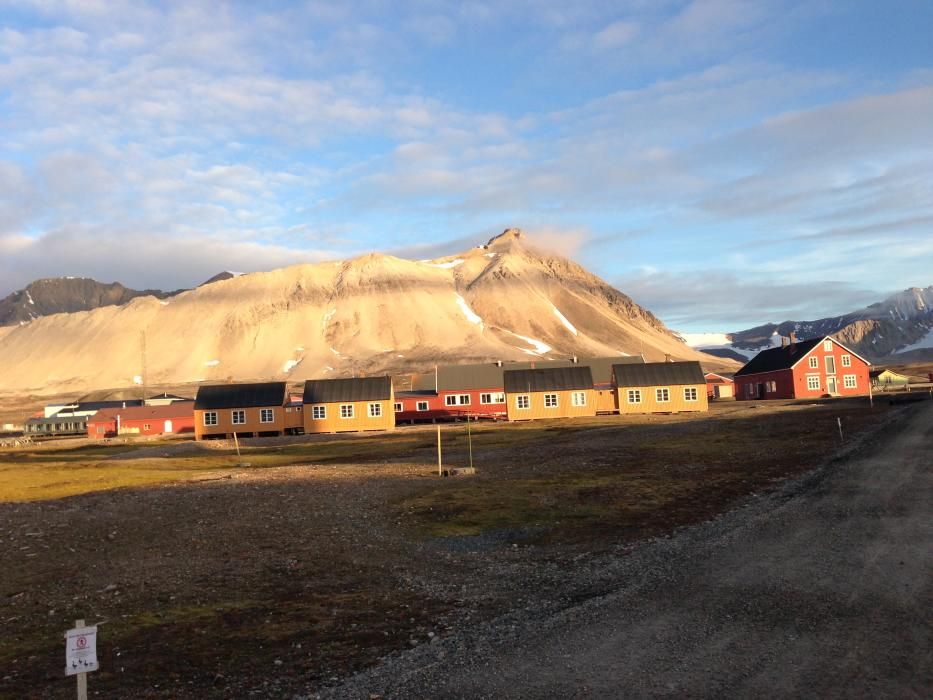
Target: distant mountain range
[898, 329]
[373, 314]
[58, 295]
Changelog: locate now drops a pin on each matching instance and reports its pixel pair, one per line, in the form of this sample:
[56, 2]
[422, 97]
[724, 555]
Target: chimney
[574, 358]
[667, 357]
[783, 341]
[498, 363]
[793, 337]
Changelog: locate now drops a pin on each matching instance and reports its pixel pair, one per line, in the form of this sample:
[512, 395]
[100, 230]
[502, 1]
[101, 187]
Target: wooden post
[839, 422]
[871, 398]
[82, 677]
[237, 443]
[470, 440]
[440, 469]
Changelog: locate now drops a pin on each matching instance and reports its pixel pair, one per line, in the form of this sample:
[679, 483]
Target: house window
[690, 393]
[398, 407]
[523, 401]
[375, 410]
[634, 395]
[146, 426]
[847, 360]
[100, 429]
[578, 398]
[238, 417]
[662, 395]
[814, 363]
[266, 415]
[346, 410]
[421, 406]
[550, 400]
[749, 389]
[813, 383]
[772, 387]
[210, 418]
[489, 398]
[450, 400]
[827, 346]
[318, 412]
[850, 381]
[463, 399]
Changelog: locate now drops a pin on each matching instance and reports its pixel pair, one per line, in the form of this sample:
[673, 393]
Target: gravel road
[824, 589]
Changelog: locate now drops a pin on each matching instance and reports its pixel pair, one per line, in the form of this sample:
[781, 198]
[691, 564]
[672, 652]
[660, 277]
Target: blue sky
[724, 163]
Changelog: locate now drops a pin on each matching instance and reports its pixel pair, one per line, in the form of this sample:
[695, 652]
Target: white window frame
[846, 360]
[847, 378]
[578, 398]
[421, 406]
[450, 400]
[687, 393]
[347, 411]
[491, 397]
[633, 396]
[210, 418]
[262, 415]
[523, 399]
[375, 410]
[814, 362]
[811, 378]
[551, 400]
[319, 413]
[238, 413]
[662, 391]
[463, 399]
[830, 360]
[827, 345]
[398, 407]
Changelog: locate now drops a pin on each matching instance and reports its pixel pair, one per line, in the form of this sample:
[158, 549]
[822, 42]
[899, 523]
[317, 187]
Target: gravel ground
[824, 588]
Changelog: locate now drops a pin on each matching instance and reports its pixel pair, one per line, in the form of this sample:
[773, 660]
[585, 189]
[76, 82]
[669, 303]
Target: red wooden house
[805, 369]
[171, 419]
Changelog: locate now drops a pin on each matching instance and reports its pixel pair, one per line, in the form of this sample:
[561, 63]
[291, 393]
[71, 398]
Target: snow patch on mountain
[468, 312]
[563, 319]
[539, 347]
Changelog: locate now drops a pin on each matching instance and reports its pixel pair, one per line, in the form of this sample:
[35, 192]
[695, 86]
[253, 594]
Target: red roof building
[718, 386]
[805, 369]
[171, 419]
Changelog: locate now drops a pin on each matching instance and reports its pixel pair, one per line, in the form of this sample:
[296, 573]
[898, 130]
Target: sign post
[81, 654]
[440, 468]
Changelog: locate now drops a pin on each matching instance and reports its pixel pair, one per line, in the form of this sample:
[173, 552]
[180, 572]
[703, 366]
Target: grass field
[330, 551]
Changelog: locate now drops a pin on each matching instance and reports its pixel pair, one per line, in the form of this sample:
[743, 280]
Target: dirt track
[824, 589]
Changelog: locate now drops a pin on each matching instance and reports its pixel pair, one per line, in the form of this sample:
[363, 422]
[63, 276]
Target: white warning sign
[80, 650]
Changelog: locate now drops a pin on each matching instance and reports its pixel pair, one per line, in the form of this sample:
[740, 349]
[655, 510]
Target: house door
[168, 427]
[830, 385]
[761, 391]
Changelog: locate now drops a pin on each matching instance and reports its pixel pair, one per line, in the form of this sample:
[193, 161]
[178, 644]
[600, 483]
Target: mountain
[900, 325]
[69, 294]
[65, 295]
[373, 314]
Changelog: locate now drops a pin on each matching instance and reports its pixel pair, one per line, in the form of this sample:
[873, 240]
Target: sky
[724, 163]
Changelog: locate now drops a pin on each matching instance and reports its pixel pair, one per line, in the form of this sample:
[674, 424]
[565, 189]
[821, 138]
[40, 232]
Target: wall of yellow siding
[333, 423]
[606, 401]
[225, 424]
[649, 403]
[537, 409]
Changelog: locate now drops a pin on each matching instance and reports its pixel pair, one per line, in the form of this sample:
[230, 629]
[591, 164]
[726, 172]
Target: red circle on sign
[82, 642]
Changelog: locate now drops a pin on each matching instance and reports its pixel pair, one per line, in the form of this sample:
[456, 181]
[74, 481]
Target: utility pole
[142, 354]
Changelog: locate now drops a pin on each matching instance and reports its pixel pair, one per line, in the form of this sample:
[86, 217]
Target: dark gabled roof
[240, 395]
[779, 358]
[548, 379]
[489, 375]
[98, 405]
[659, 374]
[354, 389]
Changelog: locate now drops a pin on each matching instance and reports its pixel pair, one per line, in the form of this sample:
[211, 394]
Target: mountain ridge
[372, 314]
